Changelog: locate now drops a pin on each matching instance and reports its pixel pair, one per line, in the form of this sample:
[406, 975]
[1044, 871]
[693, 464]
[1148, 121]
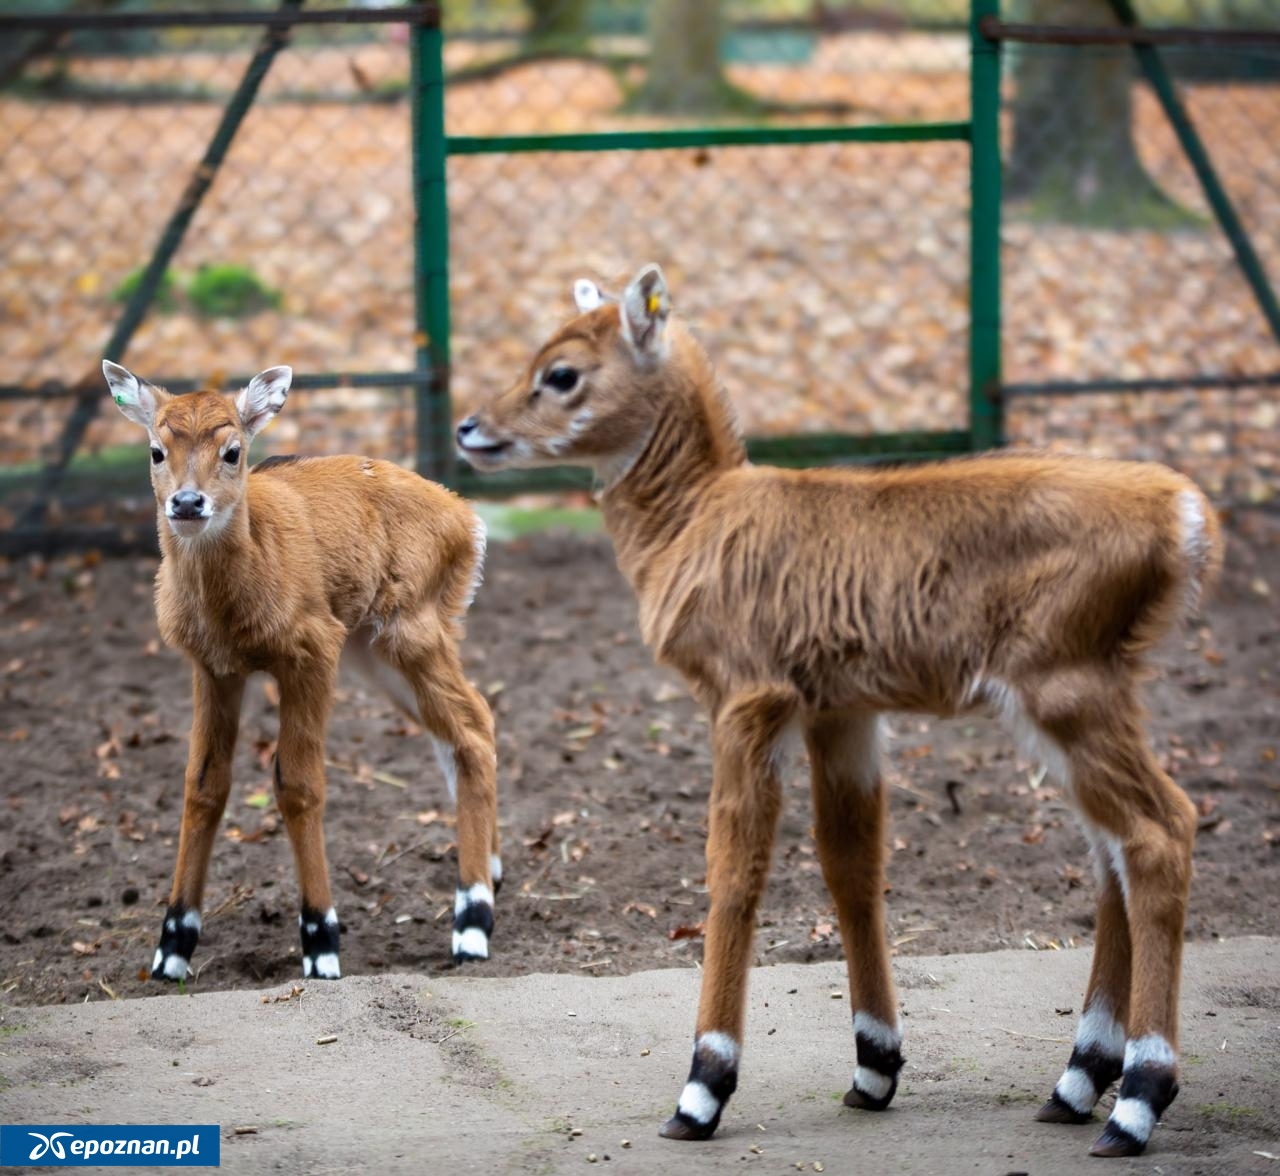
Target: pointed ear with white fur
[137, 399]
[263, 398]
[645, 307]
[587, 295]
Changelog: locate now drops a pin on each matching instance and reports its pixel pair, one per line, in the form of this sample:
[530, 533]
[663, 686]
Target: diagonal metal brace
[86, 406]
[1153, 67]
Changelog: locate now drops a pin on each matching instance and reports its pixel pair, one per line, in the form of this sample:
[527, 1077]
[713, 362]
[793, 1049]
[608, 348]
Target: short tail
[1201, 542]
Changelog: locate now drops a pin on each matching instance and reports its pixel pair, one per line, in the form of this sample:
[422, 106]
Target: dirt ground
[604, 776]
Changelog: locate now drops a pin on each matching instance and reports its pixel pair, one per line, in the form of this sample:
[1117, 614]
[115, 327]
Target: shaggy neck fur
[693, 441]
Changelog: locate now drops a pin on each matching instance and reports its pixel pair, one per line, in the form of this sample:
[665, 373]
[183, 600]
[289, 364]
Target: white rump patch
[472, 896]
[448, 762]
[720, 1044]
[1195, 541]
[1100, 1032]
[175, 967]
[872, 1082]
[1151, 1050]
[885, 1037]
[480, 537]
[1076, 1089]
[326, 966]
[472, 942]
[698, 1102]
[1135, 1116]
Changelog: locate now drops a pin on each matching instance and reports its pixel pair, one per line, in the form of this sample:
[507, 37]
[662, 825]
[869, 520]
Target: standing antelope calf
[281, 568]
[819, 599]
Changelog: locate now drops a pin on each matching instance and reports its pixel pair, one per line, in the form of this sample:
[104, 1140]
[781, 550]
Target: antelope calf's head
[586, 399]
[199, 443]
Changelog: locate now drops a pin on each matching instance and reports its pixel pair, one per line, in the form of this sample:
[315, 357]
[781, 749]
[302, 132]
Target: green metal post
[986, 411]
[1193, 147]
[433, 432]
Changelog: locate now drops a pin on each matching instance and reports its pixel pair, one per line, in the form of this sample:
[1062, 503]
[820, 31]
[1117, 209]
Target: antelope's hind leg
[850, 818]
[214, 725]
[461, 728]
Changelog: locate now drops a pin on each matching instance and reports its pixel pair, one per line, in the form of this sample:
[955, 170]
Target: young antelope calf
[819, 599]
[280, 568]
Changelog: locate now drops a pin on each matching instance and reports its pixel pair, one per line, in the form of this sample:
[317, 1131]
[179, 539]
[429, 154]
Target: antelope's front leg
[745, 801]
[306, 696]
[214, 724]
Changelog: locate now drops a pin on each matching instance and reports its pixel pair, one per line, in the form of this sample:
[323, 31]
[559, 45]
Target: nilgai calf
[281, 568]
[818, 600]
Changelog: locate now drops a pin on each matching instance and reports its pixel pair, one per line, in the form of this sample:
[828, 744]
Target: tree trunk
[1073, 156]
[685, 75]
[558, 25]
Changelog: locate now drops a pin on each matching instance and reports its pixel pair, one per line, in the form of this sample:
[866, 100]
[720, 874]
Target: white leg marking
[1076, 1089]
[472, 896]
[448, 765]
[191, 920]
[159, 959]
[720, 1044]
[872, 1082]
[306, 967]
[1134, 1116]
[175, 967]
[171, 925]
[495, 868]
[331, 917]
[1151, 1050]
[327, 966]
[1099, 1031]
[698, 1102]
[877, 1032]
[473, 942]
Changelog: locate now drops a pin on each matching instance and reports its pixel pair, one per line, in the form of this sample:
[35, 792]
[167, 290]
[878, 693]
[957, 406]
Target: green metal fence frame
[433, 146]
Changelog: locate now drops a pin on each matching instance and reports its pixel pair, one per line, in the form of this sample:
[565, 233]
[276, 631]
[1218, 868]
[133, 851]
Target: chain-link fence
[830, 280]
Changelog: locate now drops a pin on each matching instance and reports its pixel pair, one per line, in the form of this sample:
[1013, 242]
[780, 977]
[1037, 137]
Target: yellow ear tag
[654, 304]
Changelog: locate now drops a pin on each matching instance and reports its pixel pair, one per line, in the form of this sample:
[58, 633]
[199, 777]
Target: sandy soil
[604, 776]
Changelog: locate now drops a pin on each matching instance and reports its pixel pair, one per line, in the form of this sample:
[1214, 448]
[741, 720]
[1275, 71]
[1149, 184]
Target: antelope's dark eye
[232, 455]
[562, 379]
[157, 455]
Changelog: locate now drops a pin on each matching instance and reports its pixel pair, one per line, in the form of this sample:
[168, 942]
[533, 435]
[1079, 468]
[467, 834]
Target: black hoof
[864, 1102]
[1058, 1111]
[1115, 1141]
[683, 1127]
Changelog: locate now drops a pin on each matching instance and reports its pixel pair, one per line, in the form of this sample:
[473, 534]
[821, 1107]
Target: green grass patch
[514, 522]
[165, 297]
[230, 291]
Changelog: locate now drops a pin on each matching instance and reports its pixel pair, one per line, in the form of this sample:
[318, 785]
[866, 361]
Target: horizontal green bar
[667, 140]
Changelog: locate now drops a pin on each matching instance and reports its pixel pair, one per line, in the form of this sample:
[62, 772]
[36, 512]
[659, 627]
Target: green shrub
[231, 291]
[166, 295]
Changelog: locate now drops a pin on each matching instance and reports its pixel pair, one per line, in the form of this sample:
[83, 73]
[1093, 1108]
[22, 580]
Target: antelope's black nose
[465, 429]
[186, 504]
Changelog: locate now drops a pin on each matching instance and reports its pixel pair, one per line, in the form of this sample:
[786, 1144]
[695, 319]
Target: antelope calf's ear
[646, 306]
[263, 398]
[137, 399]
